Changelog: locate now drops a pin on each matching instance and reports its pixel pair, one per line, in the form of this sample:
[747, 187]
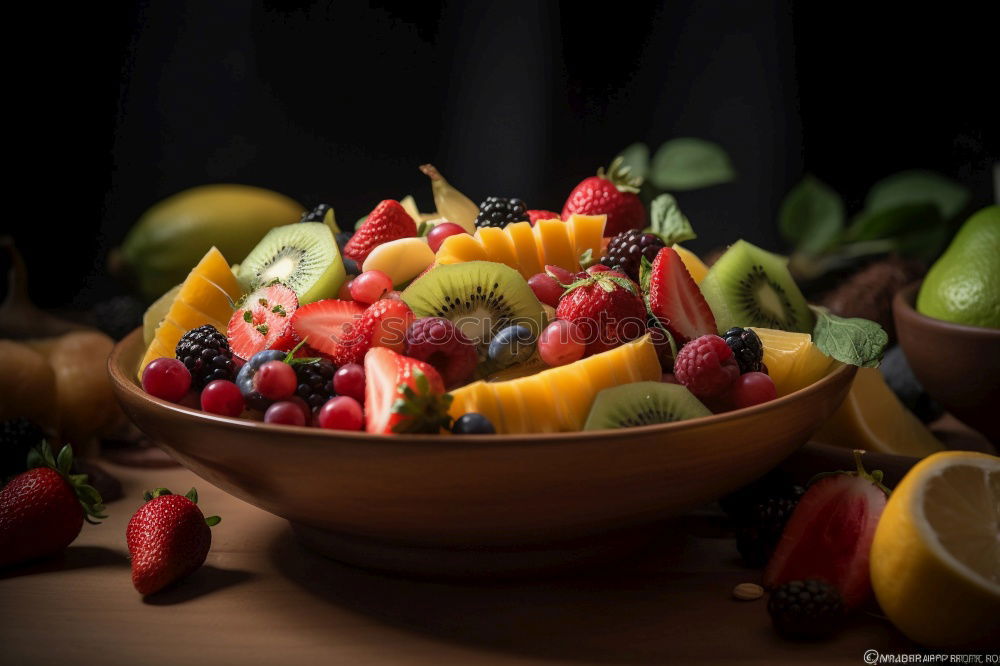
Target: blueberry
[473, 424]
[244, 378]
[511, 345]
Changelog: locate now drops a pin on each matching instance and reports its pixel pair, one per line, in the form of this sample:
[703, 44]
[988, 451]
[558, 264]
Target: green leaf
[192, 495]
[918, 186]
[361, 220]
[645, 272]
[65, 460]
[668, 222]
[892, 222]
[636, 158]
[423, 228]
[35, 459]
[811, 216]
[688, 164]
[587, 259]
[212, 521]
[854, 341]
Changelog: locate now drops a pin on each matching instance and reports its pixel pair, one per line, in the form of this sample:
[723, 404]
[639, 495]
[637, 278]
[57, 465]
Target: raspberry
[706, 366]
[436, 341]
[501, 211]
[626, 250]
[205, 352]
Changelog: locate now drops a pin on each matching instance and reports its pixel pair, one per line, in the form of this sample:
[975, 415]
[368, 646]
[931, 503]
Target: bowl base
[479, 562]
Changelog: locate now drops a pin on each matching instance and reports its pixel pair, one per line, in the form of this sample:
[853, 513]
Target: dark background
[124, 103]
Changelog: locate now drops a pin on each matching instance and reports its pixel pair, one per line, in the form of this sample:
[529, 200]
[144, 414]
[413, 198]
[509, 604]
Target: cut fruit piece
[872, 418]
[332, 328]
[696, 267]
[935, 559]
[554, 245]
[303, 256]
[402, 259]
[498, 246]
[522, 237]
[210, 288]
[531, 366]
[479, 297]
[643, 403]
[464, 247]
[748, 286]
[554, 398]
[792, 360]
[675, 299]
[188, 317]
[263, 321]
[156, 312]
[587, 233]
[402, 394]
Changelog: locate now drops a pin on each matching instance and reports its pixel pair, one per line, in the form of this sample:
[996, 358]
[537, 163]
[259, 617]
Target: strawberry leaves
[90, 499]
[422, 410]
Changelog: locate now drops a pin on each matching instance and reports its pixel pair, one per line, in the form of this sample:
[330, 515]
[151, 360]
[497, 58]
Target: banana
[451, 204]
[409, 204]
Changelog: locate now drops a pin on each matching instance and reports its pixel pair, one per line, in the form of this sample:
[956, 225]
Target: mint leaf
[895, 221]
[636, 158]
[811, 216]
[854, 341]
[688, 164]
[668, 222]
[917, 186]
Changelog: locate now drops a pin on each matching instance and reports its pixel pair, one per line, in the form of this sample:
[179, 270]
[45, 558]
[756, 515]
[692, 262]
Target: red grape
[370, 286]
[349, 380]
[222, 397]
[560, 274]
[345, 291]
[166, 378]
[341, 413]
[560, 343]
[546, 289]
[752, 388]
[275, 380]
[441, 231]
[285, 412]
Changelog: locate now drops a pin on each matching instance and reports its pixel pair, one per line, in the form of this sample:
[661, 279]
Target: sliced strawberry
[263, 321]
[676, 300]
[384, 324]
[389, 221]
[830, 534]
[403, 394]
[331, 328]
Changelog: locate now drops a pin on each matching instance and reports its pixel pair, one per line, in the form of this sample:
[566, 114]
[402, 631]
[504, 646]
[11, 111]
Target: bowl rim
[904, 302]
[125, 385]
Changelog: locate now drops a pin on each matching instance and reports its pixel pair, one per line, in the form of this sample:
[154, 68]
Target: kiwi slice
[643, 403]
[479, 297]
[749, 286]
[303, 256]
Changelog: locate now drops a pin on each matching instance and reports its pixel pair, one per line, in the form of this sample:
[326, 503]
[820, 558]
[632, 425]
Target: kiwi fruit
[643, 403]
[749, 286]
[303, 256]
[479, 297]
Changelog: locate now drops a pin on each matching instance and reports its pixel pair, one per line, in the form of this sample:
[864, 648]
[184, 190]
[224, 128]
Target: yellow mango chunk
[464, 247]
[498, 246]
[792, 360]
[523, 239]
[402, 259]
[587, 232]
[696, 267]
[554, 245]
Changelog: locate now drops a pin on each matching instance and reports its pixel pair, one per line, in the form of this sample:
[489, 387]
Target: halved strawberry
[263, 321]
[403, 394]
[676, 301]
[331, 328]
[830, 534]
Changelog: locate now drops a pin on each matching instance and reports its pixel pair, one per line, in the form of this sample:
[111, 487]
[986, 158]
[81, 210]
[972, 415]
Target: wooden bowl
[959, 366]
[473, 505]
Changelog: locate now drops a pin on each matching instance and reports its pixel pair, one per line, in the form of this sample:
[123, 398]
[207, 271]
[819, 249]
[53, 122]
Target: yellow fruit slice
[186, 317]
[464, 247]
[568, 410]
[935, 559]
[587, 232]
[523, 240]
[402, 259]
[515, 412]
[696, 267]
[792, 360]
[554, 245]
[872, 418]
[498, 246]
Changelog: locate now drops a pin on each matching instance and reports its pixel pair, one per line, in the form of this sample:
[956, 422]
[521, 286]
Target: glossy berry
[166, 378]
[370, 286]
[205, 352]
[245, 377]
[285, 412]
[341, 413]
[747, 348]
[761, 526]
[349, 380]
[706, 366]
[513, 344]
[806, 609]
[473, 424]
[626, 250]
[441, 231]
[547, 289]
[561, 343]
[307, 412]
[275, 380]
[501, 211]
[345, 290]
[436, 340]
[752, 388]
[222, 397]
[315, 382]
[560, 274]
[613, 194]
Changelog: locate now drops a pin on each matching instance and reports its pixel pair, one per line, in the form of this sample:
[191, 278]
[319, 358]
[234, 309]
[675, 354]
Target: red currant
[285, 412]
[561, 342]
[166, 378]
[441, 231]
[349, 380]
[546, 289]
[341, 413]
[752, 388]
[370, 286]
[275, 380]
[222, 397]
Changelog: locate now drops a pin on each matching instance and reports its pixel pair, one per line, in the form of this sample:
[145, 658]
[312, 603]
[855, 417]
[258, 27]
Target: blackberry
[315, 382]
[747, 349]
[757, 539]
[739, 503]
[17, 437]
[501, 211]
[626, 250]
[317, 214]
[205, 352]
[806, 609]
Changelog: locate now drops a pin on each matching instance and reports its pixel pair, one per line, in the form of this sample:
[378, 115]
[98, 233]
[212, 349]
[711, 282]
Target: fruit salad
[489, 318]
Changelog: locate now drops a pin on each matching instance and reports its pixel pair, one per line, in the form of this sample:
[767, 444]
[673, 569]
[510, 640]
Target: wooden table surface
[263, 599]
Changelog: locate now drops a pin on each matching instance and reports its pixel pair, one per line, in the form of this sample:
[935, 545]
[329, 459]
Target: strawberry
[535, 215]
[676, 300]
[384, 324]
[403, 395]
[262, 321]
[42, 510]
[330, 328]
[389, 221]
[607, 307]
[168, 539]
[613, 195]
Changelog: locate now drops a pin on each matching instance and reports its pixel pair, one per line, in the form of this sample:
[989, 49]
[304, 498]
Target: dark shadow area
[74, 557]
[204, 581]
